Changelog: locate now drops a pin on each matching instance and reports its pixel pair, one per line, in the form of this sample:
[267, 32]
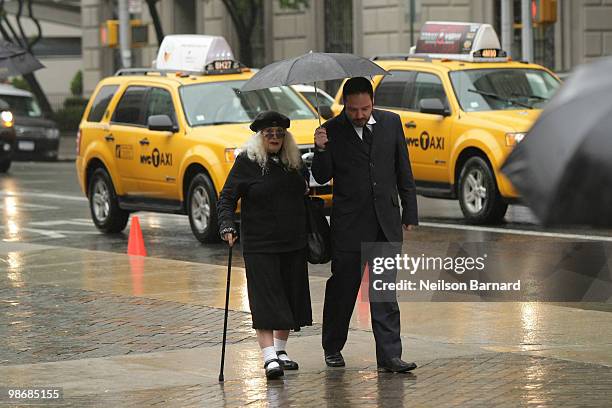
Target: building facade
[582, 32]
[59, 51]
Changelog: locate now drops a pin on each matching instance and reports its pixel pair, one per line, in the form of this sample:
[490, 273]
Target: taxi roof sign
[191, 53]
[459, 41]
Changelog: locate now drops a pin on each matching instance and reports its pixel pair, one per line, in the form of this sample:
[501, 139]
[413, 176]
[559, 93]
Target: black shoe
[334, 360]
[287, 364]
[396, 365]
[273, 372]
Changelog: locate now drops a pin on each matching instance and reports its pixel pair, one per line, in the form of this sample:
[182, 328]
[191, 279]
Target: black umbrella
[312, 68]
[14, 60]
[563, 167]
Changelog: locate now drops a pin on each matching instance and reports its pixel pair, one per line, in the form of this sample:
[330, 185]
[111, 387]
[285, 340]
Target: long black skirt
[279, 293]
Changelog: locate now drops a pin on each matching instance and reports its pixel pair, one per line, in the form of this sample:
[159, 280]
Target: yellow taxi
[164, 139]
[464, 106]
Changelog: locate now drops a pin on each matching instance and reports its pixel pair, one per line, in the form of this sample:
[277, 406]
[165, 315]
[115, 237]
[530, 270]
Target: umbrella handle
[317, 99]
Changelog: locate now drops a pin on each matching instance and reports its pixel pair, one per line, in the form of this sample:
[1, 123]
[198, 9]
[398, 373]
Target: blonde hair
[289, 153]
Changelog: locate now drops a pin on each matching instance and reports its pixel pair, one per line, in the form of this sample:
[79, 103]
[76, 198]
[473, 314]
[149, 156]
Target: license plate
[26, 146]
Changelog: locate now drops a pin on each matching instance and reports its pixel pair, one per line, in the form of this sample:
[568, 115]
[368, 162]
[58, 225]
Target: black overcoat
[367, 181]
[272, 209]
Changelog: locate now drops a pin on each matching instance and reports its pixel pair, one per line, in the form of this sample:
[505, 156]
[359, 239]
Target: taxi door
[126, 128]
[157, 150]
[428, 134]
[395, 93]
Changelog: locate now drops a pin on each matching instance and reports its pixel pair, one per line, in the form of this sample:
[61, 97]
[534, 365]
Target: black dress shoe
[334, 360]
[273, 372]
[396, 365]
[287, 364]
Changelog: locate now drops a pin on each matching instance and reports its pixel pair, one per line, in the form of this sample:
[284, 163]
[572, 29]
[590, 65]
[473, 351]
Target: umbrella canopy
[562, 167]
[312, 68]
[14, 60]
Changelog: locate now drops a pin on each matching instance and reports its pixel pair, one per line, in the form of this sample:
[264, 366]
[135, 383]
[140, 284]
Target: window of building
[258, 41]
[338, 32]
[543, 36]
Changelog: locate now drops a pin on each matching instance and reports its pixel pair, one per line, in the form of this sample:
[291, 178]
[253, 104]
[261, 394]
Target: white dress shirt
[359, 130]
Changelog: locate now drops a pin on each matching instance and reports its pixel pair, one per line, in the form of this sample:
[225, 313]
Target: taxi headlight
[231, 154]
[513, 139]
[6, 118]
[52, 133]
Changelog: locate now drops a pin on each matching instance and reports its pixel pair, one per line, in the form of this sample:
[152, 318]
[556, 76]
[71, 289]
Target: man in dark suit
[363, 149]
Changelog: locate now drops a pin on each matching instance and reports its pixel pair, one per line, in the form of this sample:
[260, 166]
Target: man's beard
[360, 123]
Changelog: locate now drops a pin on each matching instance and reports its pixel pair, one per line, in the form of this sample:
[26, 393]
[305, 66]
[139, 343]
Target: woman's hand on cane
[230, 238]
[229, 235]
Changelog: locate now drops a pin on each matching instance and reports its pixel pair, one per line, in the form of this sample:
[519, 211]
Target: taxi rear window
[101, 102]
[129, 110]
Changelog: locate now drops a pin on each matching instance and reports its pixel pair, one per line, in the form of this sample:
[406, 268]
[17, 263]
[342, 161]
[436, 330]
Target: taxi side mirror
[326, 111]
[433, 106]
[161, 123]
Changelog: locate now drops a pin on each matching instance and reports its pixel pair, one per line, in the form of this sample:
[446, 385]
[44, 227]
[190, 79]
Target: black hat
[269, 119]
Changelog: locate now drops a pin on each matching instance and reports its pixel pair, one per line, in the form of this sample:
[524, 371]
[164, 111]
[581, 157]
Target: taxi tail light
[231, 154]
[78, 143]
[512, 139]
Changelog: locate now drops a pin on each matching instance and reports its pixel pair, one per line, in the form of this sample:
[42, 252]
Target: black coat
[272, 207]
[367, 183]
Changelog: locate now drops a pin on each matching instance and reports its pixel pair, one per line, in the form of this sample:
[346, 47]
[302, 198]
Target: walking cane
[227, 292]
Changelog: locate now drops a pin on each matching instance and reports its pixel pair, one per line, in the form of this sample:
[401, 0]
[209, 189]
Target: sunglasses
[269, 134]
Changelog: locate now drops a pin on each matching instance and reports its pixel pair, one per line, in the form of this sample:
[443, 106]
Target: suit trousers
[340, 296]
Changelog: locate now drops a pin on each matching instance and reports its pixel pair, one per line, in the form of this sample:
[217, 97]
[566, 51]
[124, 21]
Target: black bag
[319, 236]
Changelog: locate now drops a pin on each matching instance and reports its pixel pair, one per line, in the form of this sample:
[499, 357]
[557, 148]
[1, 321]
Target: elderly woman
[271, 181]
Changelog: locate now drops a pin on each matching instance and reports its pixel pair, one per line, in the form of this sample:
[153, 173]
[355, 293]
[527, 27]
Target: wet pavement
[112, 330]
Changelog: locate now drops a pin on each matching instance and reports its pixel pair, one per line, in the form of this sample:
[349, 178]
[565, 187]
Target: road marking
[42, 195]
[80, 222]
[517, 232]
[55, 234]
[22, 206]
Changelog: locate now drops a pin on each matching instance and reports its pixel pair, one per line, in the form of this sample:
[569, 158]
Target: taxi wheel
[479, 197]
[103, 204]
[202, 209]
[4, 166]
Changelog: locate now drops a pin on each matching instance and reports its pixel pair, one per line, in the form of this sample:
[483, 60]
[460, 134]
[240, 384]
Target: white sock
[281, 345]
[269, 354]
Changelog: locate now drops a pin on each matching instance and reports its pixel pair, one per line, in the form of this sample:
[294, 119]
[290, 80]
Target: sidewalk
[132, 332]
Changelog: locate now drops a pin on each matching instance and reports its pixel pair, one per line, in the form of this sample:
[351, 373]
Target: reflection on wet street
[113, 330]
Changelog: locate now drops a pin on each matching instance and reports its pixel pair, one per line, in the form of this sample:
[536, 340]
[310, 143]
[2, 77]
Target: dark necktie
[367, 135]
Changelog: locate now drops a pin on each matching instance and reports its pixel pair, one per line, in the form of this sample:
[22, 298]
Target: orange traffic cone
[135, 242]
[137, 265]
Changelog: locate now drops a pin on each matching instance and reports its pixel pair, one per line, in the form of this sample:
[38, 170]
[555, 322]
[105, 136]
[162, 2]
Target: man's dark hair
[356, 86]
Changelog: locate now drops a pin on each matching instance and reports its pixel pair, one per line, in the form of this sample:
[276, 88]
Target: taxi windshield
[219, 103]
[503, 89]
